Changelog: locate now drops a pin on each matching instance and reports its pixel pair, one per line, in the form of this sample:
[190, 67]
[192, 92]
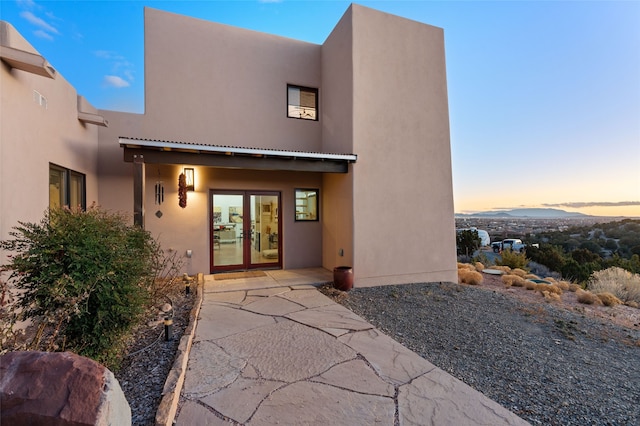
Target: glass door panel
[265, 231]
[228, 229]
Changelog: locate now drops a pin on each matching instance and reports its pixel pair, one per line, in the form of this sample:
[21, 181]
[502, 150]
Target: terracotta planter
[343, 278]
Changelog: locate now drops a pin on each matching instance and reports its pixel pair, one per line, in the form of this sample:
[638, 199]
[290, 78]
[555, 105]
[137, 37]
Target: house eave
[25, 61]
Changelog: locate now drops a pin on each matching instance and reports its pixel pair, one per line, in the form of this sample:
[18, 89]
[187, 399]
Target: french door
[245, 230]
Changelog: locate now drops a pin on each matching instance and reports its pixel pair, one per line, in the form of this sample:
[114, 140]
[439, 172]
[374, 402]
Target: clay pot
[343, 278]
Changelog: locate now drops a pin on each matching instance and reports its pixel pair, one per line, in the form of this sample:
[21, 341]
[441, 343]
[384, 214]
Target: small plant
[513, 259]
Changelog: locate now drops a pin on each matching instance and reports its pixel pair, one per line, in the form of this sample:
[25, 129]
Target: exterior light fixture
[189, 176]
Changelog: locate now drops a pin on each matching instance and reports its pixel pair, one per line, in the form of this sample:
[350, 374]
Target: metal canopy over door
[245, 230]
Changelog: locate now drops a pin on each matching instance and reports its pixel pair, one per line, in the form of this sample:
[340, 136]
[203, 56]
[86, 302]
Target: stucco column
[138, 190]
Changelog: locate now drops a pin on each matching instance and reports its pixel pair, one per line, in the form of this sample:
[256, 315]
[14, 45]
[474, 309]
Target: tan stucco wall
[402, 188]
[337, 136]
[224, 85]
[31, 137]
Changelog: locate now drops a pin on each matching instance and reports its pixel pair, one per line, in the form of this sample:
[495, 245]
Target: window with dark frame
[307, 204]
[302, 102]
[66, 188]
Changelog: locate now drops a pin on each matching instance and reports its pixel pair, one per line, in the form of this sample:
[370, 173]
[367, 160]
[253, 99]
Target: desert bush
[564, 285]
[470, 277]
[513, 280]
[482, 258]
[82, 278]
[504, 269]
[530, 285]
[512, 259]
[466, 267]
[550, 296]
[467, 242]
[531, 277]
[519, 272]
[608, 299]
[574, 287]
[479, 266]
[551, 288]
[587, 297]
[622, 284]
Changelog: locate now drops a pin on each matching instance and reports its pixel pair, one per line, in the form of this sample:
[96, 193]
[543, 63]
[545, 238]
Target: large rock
[59, 389]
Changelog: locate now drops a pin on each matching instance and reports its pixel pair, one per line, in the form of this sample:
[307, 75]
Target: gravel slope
[550, 366]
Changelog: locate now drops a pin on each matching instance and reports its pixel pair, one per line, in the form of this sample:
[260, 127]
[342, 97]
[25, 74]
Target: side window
[307, 204]
[302, 102]
[66, 188]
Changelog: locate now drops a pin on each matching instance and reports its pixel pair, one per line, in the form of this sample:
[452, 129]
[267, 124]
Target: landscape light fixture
[189, 176]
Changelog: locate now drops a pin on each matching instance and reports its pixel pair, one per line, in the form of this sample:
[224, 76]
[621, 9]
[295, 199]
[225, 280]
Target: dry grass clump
[502, 268]
[588, 298]
[574, 287]
[512, 280]
[608, 299]
[530, 285]
[551, 288]
[617, 281]
[466, 266]
[550, 296]
[519, 272]
[531, 277]
[632, 304]
[479, 266]
[466, 276]
[564, 285]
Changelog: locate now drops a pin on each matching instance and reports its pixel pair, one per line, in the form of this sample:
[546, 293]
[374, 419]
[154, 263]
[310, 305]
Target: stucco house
[289, 154]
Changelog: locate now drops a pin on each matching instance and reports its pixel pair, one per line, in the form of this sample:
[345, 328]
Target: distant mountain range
[537, 213]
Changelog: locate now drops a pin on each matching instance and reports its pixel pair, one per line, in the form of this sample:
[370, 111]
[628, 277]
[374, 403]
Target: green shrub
[82, 278]
[513, 260]
[467, 242]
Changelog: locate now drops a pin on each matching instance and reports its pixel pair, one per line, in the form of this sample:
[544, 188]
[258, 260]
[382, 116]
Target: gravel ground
[550, 366]
[150, 357]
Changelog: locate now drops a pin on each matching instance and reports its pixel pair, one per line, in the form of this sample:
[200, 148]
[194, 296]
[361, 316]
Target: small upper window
[302, 102]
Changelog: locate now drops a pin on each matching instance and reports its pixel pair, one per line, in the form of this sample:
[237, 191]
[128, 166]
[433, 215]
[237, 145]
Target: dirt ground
[621, 315]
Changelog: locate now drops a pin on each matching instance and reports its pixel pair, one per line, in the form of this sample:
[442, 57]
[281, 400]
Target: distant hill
[537, 213]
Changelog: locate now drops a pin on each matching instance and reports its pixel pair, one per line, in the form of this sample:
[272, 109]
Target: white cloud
[43, 34]
[26, 4]
[115, 81]
[39, 22]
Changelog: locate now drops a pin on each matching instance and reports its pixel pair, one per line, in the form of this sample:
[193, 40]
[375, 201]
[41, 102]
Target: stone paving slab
[287, 351]
[240, 399]
[438, 398]
[330, 317]
[305, 403]
[222, 321]
[268, 353]
[392, 361]
[357, 376]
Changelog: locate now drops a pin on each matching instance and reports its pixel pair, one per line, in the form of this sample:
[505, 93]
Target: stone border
[175, 379]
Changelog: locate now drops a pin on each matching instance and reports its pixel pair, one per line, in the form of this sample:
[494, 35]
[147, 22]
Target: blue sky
[544, 96]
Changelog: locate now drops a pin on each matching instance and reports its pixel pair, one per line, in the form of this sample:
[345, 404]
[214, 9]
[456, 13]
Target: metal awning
[169, 152]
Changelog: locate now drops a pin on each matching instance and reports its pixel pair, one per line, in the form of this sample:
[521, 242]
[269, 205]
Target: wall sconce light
[190, 179]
